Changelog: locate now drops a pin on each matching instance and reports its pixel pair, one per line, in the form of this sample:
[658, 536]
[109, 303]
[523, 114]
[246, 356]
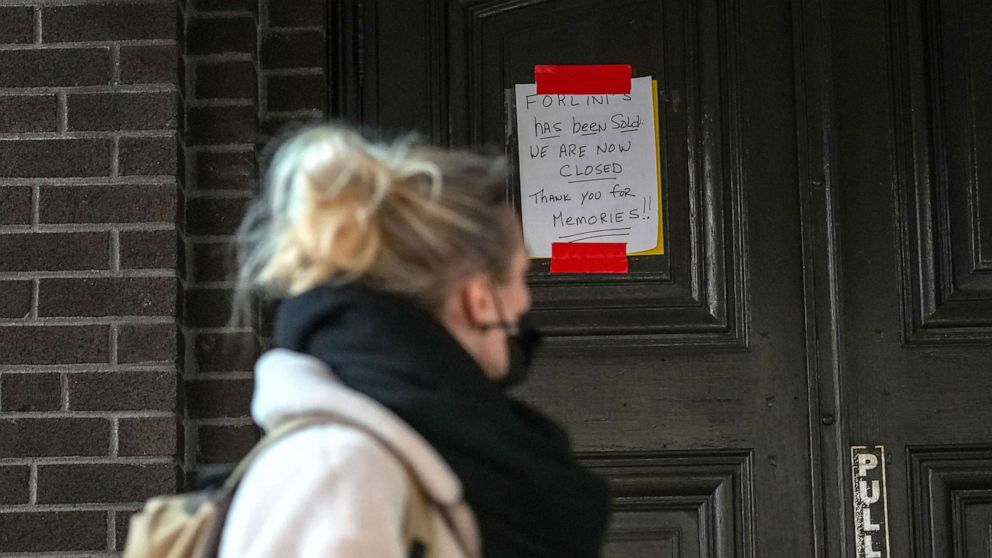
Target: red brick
[219, 35]
[17, 25]
[150, 64]
[181, 156]
[53, 531]
[122, 520]
[224, 444]
[281, 125]
[112, 203]
[221, 125]
[185, 6]
[147, 156]
[54, 251]
[15, 299]
[15, 205]
[148, 249]
[146, 343]
[107, 296]
[122, 391]
[39, 391]
[122, 111]
[218, 398]
[226, 5]
[296, 92]
[181, 85]
[54, 344]
[148, 437]
[267, 317]
[64, 67]
[55, 437]
[28, 113]
[226, 352]
[181, 256]
[291, 48]
[234, 79]
[14, 487]
[214, 216]
[54, 158]
[305, 13]
[104, 483]
[225, 170]
[109, 22]
[214, 261]
[207, 306]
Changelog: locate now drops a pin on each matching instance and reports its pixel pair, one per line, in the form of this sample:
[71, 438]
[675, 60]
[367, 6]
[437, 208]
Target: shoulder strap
[418, 528]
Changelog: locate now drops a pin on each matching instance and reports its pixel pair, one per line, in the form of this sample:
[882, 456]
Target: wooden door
[913, 155]
[686, 381]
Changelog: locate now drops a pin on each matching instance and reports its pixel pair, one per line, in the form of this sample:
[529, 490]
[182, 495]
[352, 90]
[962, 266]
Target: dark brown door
[686, 380]
[913, 154]
[827, 281]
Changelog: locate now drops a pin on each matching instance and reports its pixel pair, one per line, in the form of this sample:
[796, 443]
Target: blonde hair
[335, 208]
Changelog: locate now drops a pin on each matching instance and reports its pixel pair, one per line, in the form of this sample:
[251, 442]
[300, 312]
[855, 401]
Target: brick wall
[252, 66]
[222, 129]
[293, 54]
[88, 175]
[129, 134]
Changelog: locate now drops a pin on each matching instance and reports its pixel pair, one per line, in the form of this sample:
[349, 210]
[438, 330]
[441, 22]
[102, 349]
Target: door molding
[946, 255]
[828, 429]
[696, 296]
[698, 502]
[951, 489]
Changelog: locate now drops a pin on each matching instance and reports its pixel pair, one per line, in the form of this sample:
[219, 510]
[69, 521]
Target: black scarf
[527, 492]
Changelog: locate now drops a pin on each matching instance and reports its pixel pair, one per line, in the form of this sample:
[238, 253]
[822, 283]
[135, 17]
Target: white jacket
[333, 490]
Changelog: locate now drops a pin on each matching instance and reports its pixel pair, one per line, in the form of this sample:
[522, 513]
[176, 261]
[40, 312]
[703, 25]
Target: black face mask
[522, 340]
[521, 346]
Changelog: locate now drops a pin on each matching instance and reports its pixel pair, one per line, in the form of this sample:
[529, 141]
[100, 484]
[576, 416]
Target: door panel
[678, 504]
[684, 381]
[693, 295]
[911, 81]
[951, 500]
[943, 155]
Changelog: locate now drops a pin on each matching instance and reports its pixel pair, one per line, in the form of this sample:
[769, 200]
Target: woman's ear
[470, 308]
[477, 300]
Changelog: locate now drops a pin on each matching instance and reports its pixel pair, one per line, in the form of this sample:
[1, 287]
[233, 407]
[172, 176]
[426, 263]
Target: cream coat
[335, 490]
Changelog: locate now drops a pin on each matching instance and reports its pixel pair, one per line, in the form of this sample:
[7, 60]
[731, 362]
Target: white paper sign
[588, 168]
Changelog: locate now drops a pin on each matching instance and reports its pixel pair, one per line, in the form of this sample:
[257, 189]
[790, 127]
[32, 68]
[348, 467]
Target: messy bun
[401, 218]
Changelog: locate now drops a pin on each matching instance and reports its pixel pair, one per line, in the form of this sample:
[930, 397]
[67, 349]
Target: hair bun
[402, 218]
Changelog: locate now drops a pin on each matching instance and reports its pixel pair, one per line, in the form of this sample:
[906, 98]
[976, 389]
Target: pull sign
[871, 510]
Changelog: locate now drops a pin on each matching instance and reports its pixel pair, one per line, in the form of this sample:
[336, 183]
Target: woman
[403, 274]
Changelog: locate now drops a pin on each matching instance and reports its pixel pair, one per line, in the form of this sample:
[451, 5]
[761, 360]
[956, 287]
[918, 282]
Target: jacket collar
[289, 383]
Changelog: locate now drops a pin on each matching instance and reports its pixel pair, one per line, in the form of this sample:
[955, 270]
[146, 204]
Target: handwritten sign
[589, 168]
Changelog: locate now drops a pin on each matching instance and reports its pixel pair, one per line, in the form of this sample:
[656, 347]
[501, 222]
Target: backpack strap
[418, 528]
[280, 431]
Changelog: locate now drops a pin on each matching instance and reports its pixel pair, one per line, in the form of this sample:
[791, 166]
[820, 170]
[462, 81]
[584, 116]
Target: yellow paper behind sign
[660, 248]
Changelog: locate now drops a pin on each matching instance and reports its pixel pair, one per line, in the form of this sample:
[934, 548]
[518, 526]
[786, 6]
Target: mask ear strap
[509, 327]
[506, 326]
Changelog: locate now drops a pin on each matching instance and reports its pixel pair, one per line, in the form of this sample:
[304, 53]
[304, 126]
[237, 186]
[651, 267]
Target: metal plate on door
[871, 512]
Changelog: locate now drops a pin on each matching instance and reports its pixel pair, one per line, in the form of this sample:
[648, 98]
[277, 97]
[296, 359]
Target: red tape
[589, 257]
[582, 79]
